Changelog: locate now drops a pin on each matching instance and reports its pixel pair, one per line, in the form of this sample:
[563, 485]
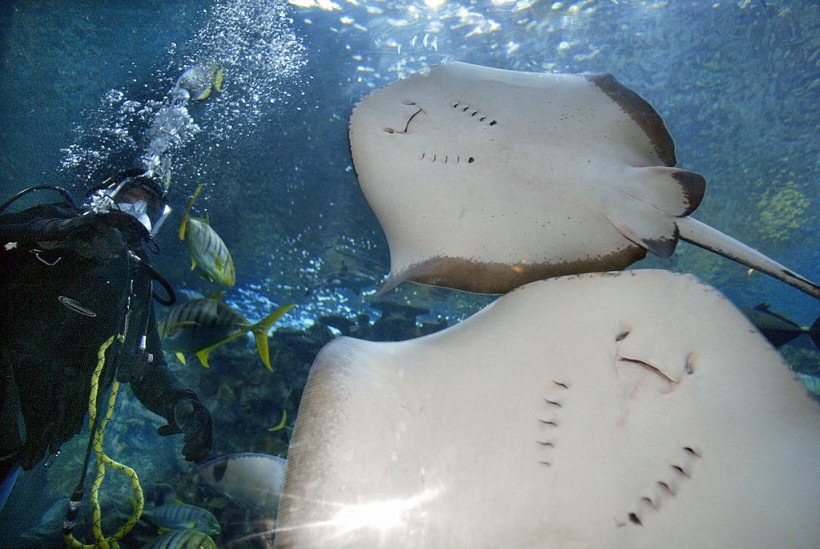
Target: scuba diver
[71, 278]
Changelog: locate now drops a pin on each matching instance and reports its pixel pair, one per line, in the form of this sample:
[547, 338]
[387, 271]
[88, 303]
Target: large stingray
[599, 410]
[486, 179]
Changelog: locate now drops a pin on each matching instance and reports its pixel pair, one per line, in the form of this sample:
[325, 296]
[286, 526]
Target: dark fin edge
[644, 115]
[693, 186]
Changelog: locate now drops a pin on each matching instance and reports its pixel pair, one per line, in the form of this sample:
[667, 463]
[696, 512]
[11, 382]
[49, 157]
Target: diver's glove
[80, 226]
[89, 235]
[193, 419]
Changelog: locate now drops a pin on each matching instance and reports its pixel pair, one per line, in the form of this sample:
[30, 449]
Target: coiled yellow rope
[100, 541]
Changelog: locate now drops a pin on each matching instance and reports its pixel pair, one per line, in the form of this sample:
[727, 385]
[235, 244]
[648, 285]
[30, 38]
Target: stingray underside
[486, 179]
[545, 422]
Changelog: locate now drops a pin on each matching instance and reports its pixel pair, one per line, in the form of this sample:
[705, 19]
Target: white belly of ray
[486, 179]
[457, 161]
[638, 409]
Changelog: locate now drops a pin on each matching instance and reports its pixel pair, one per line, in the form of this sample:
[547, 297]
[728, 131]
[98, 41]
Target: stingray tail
[703, 235]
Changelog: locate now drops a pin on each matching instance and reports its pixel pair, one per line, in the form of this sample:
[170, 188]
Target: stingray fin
[673, 191]
[645, 225]
[416, 271]
[391, 283]
[641, 112]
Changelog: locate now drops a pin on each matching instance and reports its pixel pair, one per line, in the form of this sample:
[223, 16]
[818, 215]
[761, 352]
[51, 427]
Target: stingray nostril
[634, 519]
[622, 335]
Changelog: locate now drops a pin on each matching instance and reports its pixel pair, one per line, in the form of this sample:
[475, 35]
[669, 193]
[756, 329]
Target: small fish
[198, 81]
[182, 516]
[778, 329]
[165, 172]
[207, 250]
[48, 532]
[346, 278]
[252, 480]
[201, 325]
[183, 539]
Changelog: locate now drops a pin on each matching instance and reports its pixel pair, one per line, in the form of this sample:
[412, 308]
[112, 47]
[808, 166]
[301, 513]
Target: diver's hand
[80, 226]
[129, 226]
[94, 236]
[193, 419]
[84, 234]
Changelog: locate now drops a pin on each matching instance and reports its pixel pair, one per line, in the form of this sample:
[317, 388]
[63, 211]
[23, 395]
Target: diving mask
[138, 197]
[139, 210]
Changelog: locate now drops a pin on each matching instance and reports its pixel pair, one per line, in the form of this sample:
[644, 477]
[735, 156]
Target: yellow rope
[100, 541]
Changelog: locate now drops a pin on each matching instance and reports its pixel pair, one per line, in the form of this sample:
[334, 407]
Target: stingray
[544, 422]
[486, 179]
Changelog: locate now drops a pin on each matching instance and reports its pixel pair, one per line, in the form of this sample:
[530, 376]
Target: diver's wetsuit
[66, 287]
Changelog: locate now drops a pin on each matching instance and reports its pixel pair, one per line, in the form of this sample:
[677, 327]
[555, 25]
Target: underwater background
[737, 83]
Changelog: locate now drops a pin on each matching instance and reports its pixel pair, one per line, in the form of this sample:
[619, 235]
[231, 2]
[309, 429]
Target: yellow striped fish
[183, 539]
[183, 516]
[198, 81]
[208, 251]
[201, 325]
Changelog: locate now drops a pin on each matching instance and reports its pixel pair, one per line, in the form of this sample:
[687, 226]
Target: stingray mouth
[641, 370]
[461, 109]
[413, 125]
[417, 110]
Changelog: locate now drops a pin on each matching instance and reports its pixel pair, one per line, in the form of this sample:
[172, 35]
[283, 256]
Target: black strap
[24, 192]
[169, 290]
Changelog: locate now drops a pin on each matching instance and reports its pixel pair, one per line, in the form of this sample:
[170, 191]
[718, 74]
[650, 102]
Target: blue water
[735, 81]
